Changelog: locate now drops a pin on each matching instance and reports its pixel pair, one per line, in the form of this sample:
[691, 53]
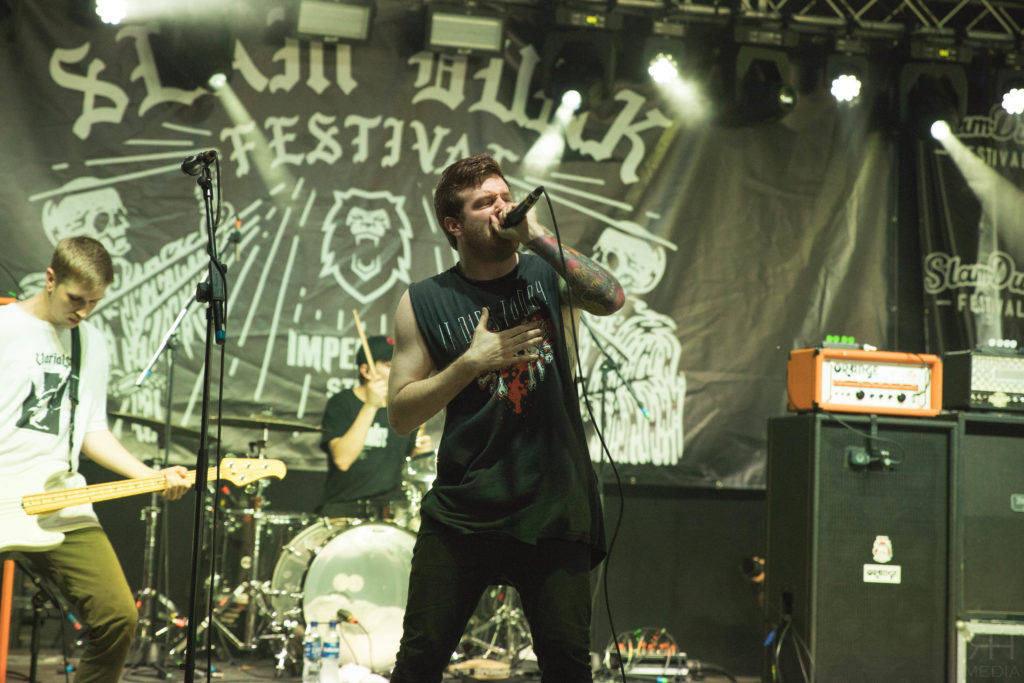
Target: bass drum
[289, 571]
[362, 573]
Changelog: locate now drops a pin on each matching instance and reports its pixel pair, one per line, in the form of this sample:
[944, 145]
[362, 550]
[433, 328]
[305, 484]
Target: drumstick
[372, 366]
[366, 345]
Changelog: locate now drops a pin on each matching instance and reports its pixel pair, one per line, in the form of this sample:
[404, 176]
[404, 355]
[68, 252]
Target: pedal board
[862, 381]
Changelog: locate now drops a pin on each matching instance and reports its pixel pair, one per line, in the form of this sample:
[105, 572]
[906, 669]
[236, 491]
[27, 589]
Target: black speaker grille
[824, 518]
[900, 627]
[991, 519]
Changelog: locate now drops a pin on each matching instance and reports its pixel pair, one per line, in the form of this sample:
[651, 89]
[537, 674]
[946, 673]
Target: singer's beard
[490, 246]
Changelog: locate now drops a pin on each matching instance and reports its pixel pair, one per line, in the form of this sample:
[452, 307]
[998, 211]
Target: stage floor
[256, 668]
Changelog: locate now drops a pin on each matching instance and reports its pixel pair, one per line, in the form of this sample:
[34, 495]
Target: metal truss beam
[997, 21]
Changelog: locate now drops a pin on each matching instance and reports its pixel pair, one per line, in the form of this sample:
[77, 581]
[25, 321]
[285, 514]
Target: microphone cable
[605, 452]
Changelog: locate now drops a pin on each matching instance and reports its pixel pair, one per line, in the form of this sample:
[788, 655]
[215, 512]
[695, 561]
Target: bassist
[53, 393]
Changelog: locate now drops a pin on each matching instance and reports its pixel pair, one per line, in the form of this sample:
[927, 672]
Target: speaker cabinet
[989, 517]
[857, 569]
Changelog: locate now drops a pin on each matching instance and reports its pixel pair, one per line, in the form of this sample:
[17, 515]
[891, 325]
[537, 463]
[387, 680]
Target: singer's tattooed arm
[594, 289]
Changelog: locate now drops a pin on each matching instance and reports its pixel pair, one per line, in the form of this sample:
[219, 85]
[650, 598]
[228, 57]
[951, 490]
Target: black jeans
[450, 572]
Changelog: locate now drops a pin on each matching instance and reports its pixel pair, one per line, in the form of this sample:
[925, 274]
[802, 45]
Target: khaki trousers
[86, 569]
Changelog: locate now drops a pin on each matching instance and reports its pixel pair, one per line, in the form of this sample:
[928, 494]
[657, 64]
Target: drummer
[365, 457]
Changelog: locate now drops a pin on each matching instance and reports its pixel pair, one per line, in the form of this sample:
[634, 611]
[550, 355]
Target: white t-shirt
[35, 409]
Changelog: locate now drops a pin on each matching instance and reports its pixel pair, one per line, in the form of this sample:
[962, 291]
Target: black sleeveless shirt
[513, 456]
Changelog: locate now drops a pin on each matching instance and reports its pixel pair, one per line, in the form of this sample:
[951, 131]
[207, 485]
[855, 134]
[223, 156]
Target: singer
[515, 500]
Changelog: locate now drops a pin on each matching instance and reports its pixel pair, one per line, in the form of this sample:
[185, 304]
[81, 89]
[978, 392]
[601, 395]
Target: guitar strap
[76, 361]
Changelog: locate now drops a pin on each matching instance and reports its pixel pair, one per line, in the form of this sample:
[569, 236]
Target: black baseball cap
[381, 348]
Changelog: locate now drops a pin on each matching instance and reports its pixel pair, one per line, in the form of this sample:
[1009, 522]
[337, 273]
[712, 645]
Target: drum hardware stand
[282, 654]
[222, 628]
[254, 587]
[249, 593]
[146, 651]
[202, 628]
[506, 634]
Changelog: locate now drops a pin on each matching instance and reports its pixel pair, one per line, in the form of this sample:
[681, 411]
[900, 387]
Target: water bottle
[312, 652]
[331, 652]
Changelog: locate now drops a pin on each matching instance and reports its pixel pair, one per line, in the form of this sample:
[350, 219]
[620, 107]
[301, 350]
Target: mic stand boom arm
[149, 594]
[610, 362]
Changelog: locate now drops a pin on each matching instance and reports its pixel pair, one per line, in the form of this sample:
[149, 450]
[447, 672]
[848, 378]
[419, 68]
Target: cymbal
[267, 422]
[154, 424]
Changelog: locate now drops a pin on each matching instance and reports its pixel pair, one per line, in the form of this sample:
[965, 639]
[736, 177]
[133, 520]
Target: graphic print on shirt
[41, 409]
[513, 383]
[376, 437]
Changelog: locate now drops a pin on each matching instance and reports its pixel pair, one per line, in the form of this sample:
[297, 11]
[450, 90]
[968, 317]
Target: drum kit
[276, 571]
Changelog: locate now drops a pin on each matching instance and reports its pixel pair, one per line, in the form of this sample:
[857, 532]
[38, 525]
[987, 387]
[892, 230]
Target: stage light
[1009, 85]
[578, 59]
[676, 59]
[333, 21]
[663, 68]
[188, 55]
[1013, 101]
[845, 88]
[111, 11]
[846, 71]
[763, 92]
[454, 30]
[546, 153]
[217, 81]
[940, 130]
[571, 101]
[664, 51]
[932, 92]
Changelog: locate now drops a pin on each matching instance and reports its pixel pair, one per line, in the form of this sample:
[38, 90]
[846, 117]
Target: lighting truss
[985, 20]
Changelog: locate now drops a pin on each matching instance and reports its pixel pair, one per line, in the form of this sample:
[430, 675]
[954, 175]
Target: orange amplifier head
[856, 381]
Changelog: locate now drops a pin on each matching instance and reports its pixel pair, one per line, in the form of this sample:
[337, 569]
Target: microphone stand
[213, 293]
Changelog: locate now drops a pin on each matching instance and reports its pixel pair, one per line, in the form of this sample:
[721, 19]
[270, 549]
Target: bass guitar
[20, 528]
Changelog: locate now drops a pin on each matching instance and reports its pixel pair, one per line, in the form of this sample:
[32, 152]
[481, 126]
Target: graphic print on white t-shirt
[41, 409]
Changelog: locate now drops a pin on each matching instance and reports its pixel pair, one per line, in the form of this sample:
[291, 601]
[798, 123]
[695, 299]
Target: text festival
[439, 78]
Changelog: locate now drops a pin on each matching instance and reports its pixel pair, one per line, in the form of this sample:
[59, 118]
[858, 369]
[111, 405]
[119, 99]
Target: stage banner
[734, 245]
[971, 209]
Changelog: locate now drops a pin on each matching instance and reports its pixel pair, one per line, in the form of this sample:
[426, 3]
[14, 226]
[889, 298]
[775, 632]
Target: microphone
[195, 163]
[345, 615]
[235, 237]
[516, 215]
